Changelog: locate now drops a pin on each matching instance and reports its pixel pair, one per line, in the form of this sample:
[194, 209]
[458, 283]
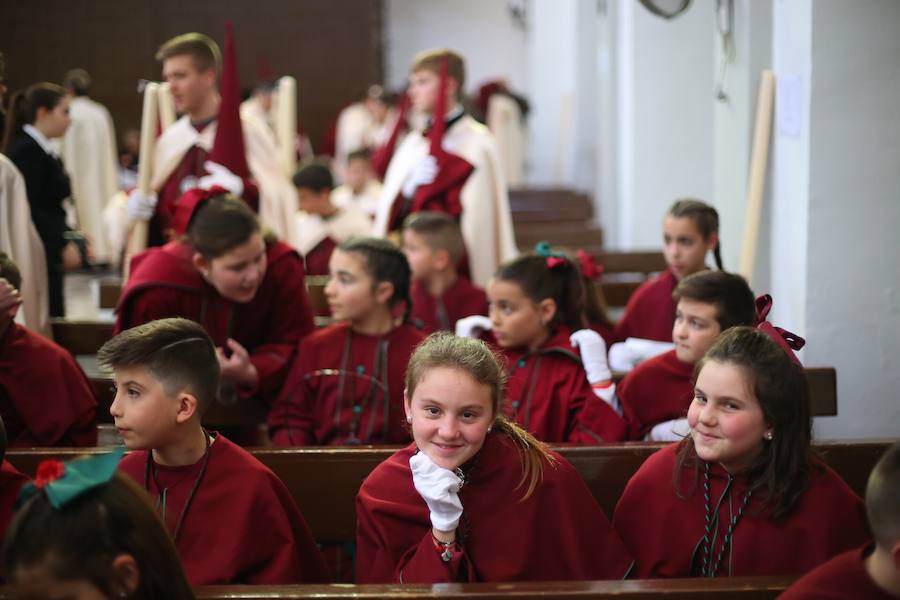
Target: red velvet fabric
[650, 312]
[462, 299]
[659, 389]
[558, 533]
[46, 399]
[11, 482]
[844, 577]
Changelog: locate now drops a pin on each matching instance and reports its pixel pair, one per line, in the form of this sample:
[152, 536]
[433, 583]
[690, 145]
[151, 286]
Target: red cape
[558, 533]
[658, 390]
[11, 482]
[844, 577]
[549, 395]
[164, 283]
[242, 525]
[462, 299]
[650, 312]
[308, 411]
[663, 531]
[49, 400]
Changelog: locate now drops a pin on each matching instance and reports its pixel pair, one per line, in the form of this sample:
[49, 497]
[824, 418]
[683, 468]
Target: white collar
[40, 138]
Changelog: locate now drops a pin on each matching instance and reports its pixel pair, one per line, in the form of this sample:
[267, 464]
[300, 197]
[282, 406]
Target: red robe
[549, 395]
[311, 410]
[664, 531]
[658, 390]
[650, 312]
[462, 299]
[165, 283]
[45, 397]
[191, 169]
[844, 577]
[559, 533]
[242, 525]
[11, 482]
[317, 258]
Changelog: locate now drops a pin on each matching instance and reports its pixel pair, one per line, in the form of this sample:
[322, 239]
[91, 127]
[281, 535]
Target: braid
[383, 261]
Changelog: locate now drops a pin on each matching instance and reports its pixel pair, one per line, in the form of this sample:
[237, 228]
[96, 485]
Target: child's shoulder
[325, 336]
[409, 333]
[661, 285]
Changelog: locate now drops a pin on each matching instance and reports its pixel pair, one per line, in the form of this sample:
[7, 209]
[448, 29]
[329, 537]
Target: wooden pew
[110, 290]
[81, 337]
[736, 588]
[324, 481]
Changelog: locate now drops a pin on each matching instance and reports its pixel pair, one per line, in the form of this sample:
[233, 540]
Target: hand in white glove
[669, 431]
[221, 176]
[140, 205]
[593, 354]
[471, 327]
[439, 487]
[422, 174]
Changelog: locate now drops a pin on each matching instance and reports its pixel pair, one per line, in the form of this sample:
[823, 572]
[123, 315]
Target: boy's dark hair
[314, 176]
[705, 217]
[440, 231]
[176, 352]
[431, 60]
[79, 81]
[780, 473]
[383, 261]
[882, 493]
[562, 283]
[202, 49]
[81, 539]
[361, 154]
[732, 297]
[220, 224]
[9, 271]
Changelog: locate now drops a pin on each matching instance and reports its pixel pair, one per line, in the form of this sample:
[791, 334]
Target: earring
[769, 435]
[409, 420]
[489, 429]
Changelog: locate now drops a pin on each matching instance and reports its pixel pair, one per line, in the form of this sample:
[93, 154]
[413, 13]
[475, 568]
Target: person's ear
[12, 312]
[200, 263]
[546, 310]
[127, 575]
[895, 556]
[712, 241]
[407, 404]
[42, 112]
[187, 407]
[383, 292]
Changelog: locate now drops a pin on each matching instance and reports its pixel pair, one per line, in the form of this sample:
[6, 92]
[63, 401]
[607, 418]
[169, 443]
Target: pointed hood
[228, 149]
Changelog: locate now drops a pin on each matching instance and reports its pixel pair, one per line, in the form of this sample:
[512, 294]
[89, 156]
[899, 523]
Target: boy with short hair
[871, 572]
[361, 189]
[232, 519]
[656, 395]
[441, 296]
[45, 397]
[486, 221]
[320, 225]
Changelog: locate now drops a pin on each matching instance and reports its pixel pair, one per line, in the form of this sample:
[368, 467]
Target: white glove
[593, 354]
[422, 174]
[221, 176]
[669, 431]
[626, 355]
[471, 327]
[141, 206]
[439, 487]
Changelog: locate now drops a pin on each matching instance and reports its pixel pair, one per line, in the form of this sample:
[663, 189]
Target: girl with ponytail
[346, 384]
[537, 319]
[690, 231]
[469, 499]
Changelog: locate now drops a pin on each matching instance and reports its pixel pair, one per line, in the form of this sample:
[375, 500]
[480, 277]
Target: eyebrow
[718, 398]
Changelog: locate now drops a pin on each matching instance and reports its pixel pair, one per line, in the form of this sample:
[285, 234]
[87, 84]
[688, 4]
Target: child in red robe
[247, 289]
[232, 519]
[475, 497]
[84, 531]
[45, 397]
[441, 296]
[871, 572]
[11, 481]
[690, 230]
[321, 224]
[655, 396]
[742, 495]
[346, 384]
[536, 303]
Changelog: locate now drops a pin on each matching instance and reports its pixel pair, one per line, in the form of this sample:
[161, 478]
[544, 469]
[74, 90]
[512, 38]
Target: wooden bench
[736, 588]
[324, 481]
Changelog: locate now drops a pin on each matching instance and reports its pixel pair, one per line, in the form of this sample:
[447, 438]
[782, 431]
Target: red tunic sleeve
[658, 390]
[844, 577]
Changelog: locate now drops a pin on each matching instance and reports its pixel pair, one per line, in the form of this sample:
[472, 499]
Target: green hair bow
[63, 482]
[554, 259]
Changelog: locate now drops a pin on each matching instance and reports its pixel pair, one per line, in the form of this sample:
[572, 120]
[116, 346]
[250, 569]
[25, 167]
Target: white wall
[482, 30]
[853, 284]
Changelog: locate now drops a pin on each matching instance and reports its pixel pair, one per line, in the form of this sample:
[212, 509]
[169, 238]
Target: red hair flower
[47, 472]
[555, 261]
[588, 264]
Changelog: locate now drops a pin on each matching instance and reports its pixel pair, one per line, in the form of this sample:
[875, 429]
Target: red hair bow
[555, 261]
[47, 472]
[186, 206]
[588, 265]
[788, 341]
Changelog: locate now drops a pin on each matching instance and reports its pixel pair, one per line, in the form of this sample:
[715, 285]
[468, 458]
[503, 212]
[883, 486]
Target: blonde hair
[202, 49]
[430, 60]
[473, 357]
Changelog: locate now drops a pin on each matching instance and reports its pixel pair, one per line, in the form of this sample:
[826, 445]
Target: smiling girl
[247, 290]
[475, 497]
[749, 497]
[346, 384]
